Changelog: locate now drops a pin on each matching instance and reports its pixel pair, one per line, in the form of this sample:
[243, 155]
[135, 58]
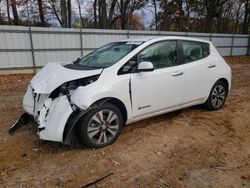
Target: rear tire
[101, 126]
[217, 96]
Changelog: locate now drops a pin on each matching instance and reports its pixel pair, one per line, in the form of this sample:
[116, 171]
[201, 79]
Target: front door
[162, 88]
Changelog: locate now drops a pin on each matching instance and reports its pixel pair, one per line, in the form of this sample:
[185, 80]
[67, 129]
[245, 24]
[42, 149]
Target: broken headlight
[72, 85]
[65, 88]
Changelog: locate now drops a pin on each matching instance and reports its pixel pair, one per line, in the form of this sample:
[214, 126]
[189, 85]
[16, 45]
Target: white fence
[23, 47]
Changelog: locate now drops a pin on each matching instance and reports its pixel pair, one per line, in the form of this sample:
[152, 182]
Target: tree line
[220, 16]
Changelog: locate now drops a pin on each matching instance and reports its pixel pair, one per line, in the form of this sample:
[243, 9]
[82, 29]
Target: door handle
[177, 74]
[211, 66]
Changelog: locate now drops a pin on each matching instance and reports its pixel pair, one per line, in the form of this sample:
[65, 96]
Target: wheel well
[224, 80]
[70, 136]
[118, 103]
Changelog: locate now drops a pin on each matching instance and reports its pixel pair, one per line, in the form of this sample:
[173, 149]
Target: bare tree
[53, 6]
[213, 9]
[164, 16]
[124, 13]
[181, 16]
[104, 13]
[80, 13]
[0, 12]
[238, 15]
[14, 11]
[246, 17]
[155, 14]
[231, 16]
[127, 8]
[111, 13]
[8, 11]
[63, 13]
[41, 12]
[188, 12]
[69, 11]
[103, 19]
[95, 13]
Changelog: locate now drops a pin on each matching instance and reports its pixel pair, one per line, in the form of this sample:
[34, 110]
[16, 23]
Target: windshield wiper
[77, 60]
[95, 67]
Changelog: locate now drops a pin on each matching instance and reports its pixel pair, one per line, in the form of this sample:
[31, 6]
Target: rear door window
[193, 51]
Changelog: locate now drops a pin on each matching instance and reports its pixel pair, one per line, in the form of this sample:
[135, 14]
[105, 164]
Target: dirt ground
[188, 148]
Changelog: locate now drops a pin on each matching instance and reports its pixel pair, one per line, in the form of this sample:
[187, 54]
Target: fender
[84, 96]
[70, 136]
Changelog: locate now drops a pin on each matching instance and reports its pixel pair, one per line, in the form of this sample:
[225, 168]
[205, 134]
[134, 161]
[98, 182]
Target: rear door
[198, 70]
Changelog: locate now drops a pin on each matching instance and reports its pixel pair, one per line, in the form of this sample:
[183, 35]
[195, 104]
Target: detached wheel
[101, 126]
[217, 97]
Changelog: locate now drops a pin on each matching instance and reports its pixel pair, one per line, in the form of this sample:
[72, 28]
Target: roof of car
[144, 39]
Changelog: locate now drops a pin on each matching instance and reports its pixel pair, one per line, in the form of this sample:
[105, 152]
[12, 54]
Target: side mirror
[145, 66]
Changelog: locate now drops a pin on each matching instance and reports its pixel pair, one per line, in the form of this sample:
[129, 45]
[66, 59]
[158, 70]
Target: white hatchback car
[87, 102]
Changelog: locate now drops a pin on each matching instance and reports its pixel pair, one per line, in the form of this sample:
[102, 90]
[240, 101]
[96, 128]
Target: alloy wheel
[103, 126]
[218, 96]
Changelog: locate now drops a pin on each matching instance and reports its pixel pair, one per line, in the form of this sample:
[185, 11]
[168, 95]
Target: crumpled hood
[53, 75]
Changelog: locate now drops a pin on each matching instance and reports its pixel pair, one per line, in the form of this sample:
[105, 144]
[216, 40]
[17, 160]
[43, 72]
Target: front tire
[101, 126]
[217, 96]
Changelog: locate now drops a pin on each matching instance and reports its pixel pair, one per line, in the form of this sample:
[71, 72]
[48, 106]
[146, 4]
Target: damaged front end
[48, 102]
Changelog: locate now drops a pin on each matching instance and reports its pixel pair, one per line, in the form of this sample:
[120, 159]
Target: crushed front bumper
[51, 115]
[53, 118]
[33, 102]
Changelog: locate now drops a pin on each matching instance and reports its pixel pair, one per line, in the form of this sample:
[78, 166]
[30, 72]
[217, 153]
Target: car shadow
[165, 117]
[54, 147]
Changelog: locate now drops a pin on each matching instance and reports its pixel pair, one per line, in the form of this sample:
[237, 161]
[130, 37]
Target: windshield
[108, 54]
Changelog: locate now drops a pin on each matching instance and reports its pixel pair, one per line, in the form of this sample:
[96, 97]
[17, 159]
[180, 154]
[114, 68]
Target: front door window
[162, 54]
